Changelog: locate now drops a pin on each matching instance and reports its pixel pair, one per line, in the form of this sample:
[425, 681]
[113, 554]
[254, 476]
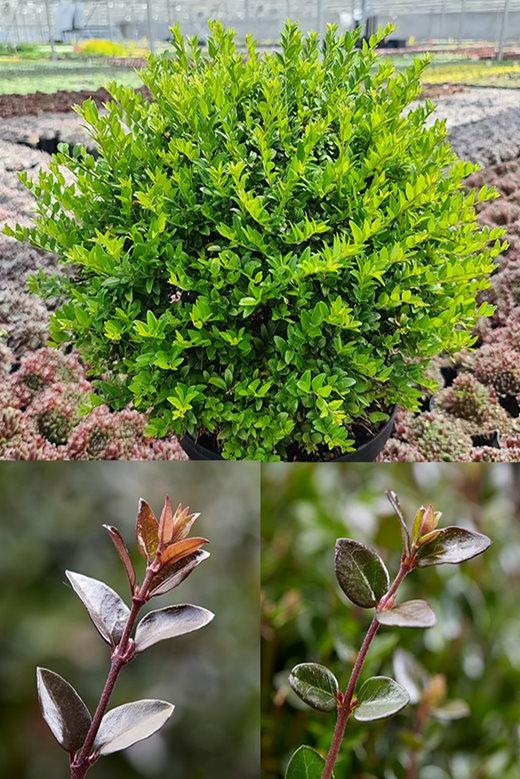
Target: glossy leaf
[147, 531]
[182, 549]
[452, 545]
[315, 685]
[410, 614]
[410, 674]
[380, 697]
[166, 522]
[122, 551]
[107, 611]
[126, 725]
[170, 622]
[451, 710]
[63, 710]
[305, 763]
[172, 574]
[361, 573]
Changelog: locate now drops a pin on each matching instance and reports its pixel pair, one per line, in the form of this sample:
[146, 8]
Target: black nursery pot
[366, 453]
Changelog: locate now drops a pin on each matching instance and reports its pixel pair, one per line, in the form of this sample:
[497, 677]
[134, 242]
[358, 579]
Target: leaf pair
[110, 614]
[69, 719]
[363, 577]
[431, 546]
[378, 698]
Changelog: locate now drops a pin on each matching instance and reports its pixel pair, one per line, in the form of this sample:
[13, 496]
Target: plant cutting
[364, 579]
[267, 253]
[171, 555]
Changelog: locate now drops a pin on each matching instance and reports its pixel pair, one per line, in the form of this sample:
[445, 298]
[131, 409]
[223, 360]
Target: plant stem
[345, 708]
[83, 760]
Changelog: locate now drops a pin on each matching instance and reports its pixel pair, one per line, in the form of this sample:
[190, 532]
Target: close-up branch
[171, 555]
[364, 579]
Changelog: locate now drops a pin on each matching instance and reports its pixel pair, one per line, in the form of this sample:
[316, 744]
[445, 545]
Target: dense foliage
[270, 250]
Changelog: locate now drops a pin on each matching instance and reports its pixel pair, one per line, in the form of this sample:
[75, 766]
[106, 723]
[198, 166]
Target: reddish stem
[122, 655]
[346, 707]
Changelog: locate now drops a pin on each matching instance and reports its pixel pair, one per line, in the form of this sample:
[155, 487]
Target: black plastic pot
[366, 453]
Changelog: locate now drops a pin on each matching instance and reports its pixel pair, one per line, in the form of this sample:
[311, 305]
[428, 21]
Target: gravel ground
[45, 131]
[474, 104]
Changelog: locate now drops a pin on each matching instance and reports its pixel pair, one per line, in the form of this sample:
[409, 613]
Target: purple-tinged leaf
[452, 545]
[107, 611]
[172, 574]
[361, 573]
[147, 531]
[410, 614]
[410, 674]
[380, 697]
[63, 710]
[181, 549]
[166, 525]
[122, 551]
[126, 725]
[170, 622]
[315, 685]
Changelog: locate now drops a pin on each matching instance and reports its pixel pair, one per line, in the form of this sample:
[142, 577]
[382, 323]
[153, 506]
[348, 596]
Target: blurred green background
[50, 520]
[475, 644]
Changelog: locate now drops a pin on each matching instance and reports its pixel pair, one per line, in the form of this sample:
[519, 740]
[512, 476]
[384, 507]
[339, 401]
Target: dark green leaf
[410, 614]
[107, 611]
[452, 545]
[63, 710]
[125, 725]
[315, 685]
[361, 573]
[170, 622]
[305, 763]
[380, 697]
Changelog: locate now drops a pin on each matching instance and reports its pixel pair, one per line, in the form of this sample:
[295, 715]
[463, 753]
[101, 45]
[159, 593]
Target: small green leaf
[411, 614]
[305, 763]
[315, 685]
[452, 545]
[361, 573]
[380, 697]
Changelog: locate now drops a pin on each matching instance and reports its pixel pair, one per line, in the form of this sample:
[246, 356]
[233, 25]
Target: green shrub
[270, 250]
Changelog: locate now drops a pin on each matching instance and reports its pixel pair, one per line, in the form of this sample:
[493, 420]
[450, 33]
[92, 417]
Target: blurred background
[92, 41]
[50, 520]
[475, 644]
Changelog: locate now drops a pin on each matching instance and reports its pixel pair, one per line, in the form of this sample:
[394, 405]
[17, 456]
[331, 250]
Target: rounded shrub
[271, 249]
